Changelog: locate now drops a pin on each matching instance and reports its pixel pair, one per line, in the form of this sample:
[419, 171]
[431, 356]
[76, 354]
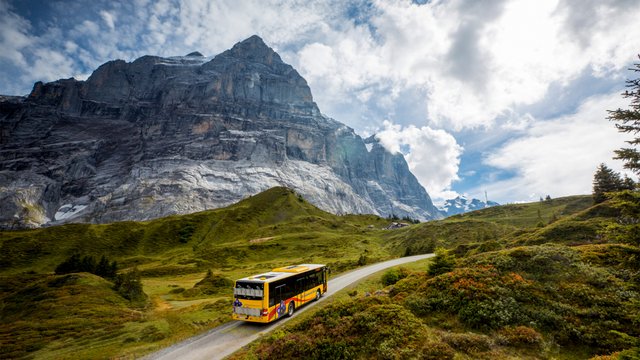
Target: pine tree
[442, 263]
[103, 268]
[129, 286]
[628, 183]
[88, 264]
[71, 265]
[605, 180]
[628, 121]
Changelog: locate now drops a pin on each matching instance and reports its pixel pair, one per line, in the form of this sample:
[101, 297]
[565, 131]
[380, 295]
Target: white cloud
[108, 18]
[433, 155]
[473, 62]
[14, 36]
[558, 157]
[466, 65]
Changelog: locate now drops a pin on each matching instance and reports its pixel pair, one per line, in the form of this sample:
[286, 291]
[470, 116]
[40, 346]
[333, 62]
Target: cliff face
[162, 136]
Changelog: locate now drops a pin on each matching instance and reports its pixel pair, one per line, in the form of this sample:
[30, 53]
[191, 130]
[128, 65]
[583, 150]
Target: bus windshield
[248, 290]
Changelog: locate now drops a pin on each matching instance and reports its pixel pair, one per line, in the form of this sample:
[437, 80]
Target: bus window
[248, 290]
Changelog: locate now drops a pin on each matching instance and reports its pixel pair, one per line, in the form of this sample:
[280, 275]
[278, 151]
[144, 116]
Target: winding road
[226, 339]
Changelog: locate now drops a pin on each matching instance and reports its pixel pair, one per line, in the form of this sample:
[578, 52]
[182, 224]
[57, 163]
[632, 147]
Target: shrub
[185, 233]
[491, 313]
[437, 351]
[209, 285]
[392, 276]
[519, 336]
[177, 290]
[442, 263]
[365, 328]
[362, 260]
[151, 334]
[129, 286]
[468, 342]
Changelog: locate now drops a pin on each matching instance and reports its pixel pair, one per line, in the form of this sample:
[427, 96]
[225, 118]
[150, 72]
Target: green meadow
[551, 279]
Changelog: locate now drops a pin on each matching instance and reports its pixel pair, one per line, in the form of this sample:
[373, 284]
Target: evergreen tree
[113, 271]
[628, 183]
[129, 286]
[75, 264]
[88, 264]
[628, 121]
[442, 263]
[71, 265]
[605, 180]
[102, 269]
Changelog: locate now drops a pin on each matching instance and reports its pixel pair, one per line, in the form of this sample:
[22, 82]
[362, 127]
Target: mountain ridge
[160, 136]
[461, 205]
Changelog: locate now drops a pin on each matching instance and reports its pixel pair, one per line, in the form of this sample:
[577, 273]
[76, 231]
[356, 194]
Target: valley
[51, 316]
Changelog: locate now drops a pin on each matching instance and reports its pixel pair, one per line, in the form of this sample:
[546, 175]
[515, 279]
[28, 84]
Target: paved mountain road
[226, 339]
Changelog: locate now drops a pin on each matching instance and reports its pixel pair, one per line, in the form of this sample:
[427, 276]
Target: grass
[172, 255]
[564, 290]
[276, 228]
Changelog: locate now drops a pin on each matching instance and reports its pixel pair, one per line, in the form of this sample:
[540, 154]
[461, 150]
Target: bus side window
[272, 299]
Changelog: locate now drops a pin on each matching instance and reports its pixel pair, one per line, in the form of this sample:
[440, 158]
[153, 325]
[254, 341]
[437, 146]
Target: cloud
[472, 63]
[433, 155]
[109, 19]
[455, 66]
[558, 157]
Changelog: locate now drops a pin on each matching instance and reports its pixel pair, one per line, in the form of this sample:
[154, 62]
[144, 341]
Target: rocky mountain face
[461, 205]
[161, 136]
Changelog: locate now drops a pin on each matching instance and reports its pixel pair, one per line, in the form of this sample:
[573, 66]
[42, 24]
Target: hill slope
[522, 285]
[172, 256]
[567, 288]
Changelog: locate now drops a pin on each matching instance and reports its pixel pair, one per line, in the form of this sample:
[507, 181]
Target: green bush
[393, 275]
[436, 351]
[129, 286]
[336, 332]
[468, 342]
[519, 336]
[209, 285]
[442, 263]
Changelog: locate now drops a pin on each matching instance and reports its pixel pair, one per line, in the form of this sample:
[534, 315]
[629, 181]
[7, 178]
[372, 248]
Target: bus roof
[281, 273]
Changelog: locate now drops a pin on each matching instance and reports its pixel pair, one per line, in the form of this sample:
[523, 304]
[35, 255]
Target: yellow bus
[269, 296]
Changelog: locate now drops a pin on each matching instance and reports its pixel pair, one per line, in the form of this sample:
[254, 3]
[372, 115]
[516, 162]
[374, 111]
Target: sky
[507, 97]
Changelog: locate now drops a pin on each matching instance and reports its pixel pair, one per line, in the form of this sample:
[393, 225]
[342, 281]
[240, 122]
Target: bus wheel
[317, 295]
[292, 308]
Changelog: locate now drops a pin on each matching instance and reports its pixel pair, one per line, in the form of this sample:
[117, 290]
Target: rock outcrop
[161, 136]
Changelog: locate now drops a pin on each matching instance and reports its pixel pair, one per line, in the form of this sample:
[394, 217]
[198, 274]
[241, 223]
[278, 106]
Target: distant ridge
[461, 205]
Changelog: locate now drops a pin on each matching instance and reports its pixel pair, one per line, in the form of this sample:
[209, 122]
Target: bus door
[325, 275]
[301, 288]
[279, 295]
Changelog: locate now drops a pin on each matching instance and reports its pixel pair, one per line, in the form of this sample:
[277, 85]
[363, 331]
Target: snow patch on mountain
[461, 205]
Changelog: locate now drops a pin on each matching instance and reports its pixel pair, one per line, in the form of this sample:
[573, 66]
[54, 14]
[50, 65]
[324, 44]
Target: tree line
[128, 284]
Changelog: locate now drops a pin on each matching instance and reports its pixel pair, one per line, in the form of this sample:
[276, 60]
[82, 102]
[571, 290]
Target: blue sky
[504, 96]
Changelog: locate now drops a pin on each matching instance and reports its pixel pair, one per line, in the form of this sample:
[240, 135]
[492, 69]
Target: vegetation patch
[539, 280]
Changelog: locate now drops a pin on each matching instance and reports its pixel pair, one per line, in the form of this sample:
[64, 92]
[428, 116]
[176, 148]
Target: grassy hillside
[172, 256]
[275, 225]
[565, 289]
[186, 264]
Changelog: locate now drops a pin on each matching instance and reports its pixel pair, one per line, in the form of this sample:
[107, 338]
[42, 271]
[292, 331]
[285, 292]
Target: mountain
[461, 205]
[161, 136]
